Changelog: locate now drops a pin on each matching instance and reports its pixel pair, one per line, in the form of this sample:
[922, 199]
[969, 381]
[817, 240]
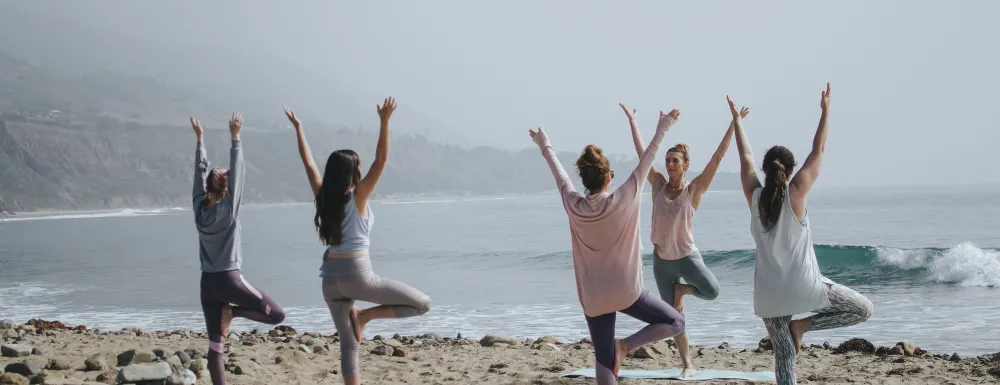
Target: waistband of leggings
[334, 267]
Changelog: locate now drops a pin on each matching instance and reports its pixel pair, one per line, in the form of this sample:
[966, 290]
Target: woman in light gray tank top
[344, 221]
[787, 280]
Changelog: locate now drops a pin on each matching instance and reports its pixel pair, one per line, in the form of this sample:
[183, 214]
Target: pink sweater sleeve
[631, 186]
[563, 182]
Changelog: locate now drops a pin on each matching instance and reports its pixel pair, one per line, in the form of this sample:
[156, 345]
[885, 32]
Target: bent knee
[424, 305]
[679, 323]
[710, 293]
[277, 315]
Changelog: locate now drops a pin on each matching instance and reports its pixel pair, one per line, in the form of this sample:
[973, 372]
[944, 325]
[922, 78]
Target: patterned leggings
[847, 308]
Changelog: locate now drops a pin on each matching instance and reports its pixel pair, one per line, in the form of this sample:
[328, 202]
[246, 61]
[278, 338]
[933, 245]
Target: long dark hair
[340, 176]
[778, 164]
[594, 168]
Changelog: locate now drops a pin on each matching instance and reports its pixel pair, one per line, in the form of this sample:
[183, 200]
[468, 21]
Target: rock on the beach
[643, 352]
[25, 368]
[549, 339]
[955, 357]
[175, 363]
[400, 352]
[9, 334]
[136, 356]
[724, 345]
[859, 345]
[383, 350]
[184, 357]
[96, 363]
[144, 372]
[183, 378]
[36, 352]
[546, 346]
[162, 354]
[827, 346]
[15, 350]
[492, 340]
[432, 336]
[392, 342]
[319, 349]
[765, 343]
[13, 379]
[59, 364]
[7, 324]
[198, 365]
[896, 351]
[304, 349]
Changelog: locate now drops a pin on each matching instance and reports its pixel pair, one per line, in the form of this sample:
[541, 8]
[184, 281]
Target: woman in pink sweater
[607, 253]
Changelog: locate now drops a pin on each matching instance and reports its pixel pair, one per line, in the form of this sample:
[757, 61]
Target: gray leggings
[347, 280]
[847, 308]
[694, 272]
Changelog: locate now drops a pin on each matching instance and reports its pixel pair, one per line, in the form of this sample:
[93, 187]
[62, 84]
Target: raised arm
[748, 176]
[804, 179]
[367, 185]
[563, 184]
[656, 178]
[701, 182]
[641, 172]
[315, 179]
[237, 172]
[200, 164]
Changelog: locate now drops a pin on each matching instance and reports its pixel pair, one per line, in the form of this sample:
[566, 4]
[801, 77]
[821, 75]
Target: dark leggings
[229, 288]
[664, 322]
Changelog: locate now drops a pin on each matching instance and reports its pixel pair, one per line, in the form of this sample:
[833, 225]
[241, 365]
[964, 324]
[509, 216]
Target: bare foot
[621, 350]
[357, 325]
[227, 319]
[680, 290]
[798, 329]
[687, 372]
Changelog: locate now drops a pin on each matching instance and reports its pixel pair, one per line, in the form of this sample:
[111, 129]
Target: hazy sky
[914, 82]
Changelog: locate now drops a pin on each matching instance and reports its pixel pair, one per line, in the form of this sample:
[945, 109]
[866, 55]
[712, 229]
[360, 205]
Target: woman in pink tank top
[674, 203]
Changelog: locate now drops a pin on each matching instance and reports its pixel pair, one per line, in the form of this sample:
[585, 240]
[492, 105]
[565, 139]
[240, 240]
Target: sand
[288, 357]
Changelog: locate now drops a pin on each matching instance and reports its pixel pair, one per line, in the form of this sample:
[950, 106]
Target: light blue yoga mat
[673, 374]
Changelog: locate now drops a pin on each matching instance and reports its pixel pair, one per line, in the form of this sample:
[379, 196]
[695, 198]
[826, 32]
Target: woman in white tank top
[675, 201]
[787, 280]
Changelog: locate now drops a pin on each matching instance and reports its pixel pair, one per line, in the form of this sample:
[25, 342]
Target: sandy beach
[56, 354]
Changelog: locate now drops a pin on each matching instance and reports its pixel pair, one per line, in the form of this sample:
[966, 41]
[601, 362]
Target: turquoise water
[928, 259]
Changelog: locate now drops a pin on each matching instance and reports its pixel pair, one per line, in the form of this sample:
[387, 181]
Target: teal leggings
[694, 272]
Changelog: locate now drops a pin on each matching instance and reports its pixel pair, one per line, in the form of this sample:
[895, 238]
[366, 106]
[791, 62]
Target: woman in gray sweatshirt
[217, 196]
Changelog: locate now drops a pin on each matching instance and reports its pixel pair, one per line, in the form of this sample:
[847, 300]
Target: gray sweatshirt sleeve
[200, 173]
[236, 175]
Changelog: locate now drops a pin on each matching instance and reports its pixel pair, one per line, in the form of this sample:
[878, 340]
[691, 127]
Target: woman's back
[787, 279]
[355, 230]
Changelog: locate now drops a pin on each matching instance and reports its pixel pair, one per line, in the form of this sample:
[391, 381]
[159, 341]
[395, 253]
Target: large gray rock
[136, 356]
[25, 368]
[96, 363]
[9, 334]
[182, 379]
[144, 372]
[185, 358]
[383, 350]
[15, 350]
[7, 324]
[175, 363]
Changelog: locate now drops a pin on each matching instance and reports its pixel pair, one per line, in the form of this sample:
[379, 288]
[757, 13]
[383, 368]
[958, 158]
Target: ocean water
[929, 259]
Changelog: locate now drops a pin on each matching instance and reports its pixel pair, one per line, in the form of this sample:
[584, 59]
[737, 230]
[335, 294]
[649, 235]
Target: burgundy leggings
[664, 322]
[229, 288]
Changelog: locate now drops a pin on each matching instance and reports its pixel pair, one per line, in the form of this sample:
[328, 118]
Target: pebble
[36, 352]
[185, 358]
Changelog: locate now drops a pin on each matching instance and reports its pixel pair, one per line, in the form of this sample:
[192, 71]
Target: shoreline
[282, 355]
